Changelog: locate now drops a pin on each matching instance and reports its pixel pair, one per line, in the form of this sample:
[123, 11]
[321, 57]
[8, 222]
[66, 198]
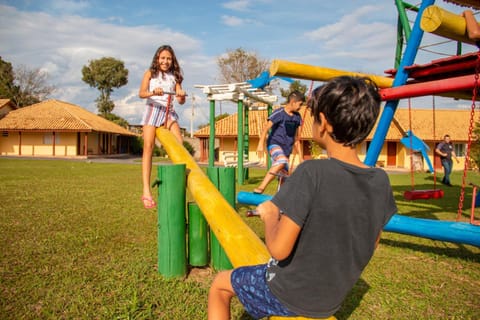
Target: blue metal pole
[400, 79]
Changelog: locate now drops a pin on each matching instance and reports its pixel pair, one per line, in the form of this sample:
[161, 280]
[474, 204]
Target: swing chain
[470, 130]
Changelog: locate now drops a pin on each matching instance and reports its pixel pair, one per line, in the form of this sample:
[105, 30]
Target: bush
[136, 148]
[189, 148]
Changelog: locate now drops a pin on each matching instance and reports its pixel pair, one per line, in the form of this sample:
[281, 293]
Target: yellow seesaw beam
[241, 244]
[285, 68]
[445, 24]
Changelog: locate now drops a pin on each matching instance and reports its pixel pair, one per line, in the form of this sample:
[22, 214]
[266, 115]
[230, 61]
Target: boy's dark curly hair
[350, 104]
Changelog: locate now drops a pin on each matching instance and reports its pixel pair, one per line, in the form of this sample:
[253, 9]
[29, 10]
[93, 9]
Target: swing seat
[423, 194]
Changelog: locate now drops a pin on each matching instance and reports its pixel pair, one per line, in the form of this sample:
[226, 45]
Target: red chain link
[412, 178]
[434, 144]
[470, 129]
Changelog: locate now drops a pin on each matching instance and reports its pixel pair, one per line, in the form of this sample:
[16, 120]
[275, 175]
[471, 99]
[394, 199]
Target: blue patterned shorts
[278, 156]
[250, 285]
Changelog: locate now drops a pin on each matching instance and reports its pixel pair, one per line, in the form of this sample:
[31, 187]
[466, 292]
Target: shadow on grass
[430, 208]
[460, 251]
[351, 302]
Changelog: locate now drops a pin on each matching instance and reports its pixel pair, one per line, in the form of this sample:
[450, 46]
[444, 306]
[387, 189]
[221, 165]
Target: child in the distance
[160, 82]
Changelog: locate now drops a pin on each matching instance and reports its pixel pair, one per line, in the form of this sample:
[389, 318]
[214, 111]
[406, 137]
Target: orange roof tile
[466, 3]
[452, 122]
[55, 115]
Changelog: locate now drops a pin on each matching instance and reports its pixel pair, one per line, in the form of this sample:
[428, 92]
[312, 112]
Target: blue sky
[61, 36]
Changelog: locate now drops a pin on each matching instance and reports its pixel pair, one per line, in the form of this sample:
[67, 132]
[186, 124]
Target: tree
[475, 147]
[23, 86]
[7, 77]
[105, 74]
[32, 84]
[295, 85]
[117, 119]
[239, 66]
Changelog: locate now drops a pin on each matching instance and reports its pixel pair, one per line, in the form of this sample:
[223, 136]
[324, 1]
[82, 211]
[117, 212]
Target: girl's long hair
[174, 69]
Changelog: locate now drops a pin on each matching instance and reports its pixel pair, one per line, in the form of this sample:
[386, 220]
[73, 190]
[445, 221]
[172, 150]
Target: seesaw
[449, 231]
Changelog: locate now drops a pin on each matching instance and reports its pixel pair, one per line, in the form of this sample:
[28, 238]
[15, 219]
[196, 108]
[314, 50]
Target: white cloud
[357, 36]
[237, 5]
[62, 45]
[232, 21]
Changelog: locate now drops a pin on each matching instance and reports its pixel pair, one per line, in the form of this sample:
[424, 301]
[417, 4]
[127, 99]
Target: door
[391, 154]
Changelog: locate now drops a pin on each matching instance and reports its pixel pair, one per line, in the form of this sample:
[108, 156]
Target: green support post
[197, 237]
[172, 261]
[246, 146]
[211, 140]
[240, 142]
[402, 15]
[224, 179]
[269, 162]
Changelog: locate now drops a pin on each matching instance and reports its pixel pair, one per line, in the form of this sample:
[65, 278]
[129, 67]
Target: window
[460, 149]
[48, 138]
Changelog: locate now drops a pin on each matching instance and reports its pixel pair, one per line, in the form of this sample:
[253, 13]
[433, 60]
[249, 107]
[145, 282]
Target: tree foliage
[7, 77]
[239, 65]
[295, 85]
[23, 86]
[105, 74]
[117, 119]
[475, 147]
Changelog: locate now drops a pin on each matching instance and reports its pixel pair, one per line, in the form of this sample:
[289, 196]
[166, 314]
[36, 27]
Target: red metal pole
[472, 212]
[429, 88]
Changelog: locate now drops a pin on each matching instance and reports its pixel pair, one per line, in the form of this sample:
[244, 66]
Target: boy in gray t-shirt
[324, 224]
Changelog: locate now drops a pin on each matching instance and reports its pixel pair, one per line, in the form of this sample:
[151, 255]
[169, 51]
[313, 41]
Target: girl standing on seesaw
[160, 83]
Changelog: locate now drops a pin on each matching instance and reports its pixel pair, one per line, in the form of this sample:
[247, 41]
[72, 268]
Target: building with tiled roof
[393, 154]
[57, 128]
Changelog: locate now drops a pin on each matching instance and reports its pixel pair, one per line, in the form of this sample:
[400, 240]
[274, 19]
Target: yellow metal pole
[445, 24]
[304, 71]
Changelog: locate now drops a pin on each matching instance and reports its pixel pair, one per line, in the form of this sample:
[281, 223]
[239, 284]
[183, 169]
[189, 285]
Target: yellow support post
[445, 24]
[284, 68]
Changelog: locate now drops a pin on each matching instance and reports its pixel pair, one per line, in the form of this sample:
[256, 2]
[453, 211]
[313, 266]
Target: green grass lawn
[76, 243]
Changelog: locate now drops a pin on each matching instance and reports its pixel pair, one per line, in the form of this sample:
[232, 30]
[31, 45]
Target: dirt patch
[201, 275]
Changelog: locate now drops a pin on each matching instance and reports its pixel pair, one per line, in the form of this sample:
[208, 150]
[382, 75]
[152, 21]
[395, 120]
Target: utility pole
[191, 118]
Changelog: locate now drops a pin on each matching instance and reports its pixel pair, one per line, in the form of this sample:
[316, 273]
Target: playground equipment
[414, 143]
[308, 72]
[457, 75]
[264, 80]
[445, 24]
[449, 231]
[243, 94]
[226, 224]
[241, 244]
